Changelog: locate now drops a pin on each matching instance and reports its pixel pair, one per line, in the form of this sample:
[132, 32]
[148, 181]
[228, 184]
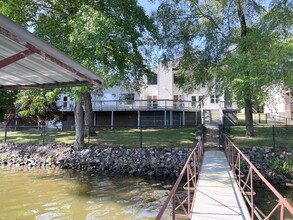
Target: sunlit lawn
[263, 137]
[183, 137]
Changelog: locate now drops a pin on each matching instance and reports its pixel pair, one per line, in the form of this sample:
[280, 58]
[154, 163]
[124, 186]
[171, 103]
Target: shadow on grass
[264, 136]
[179, 137]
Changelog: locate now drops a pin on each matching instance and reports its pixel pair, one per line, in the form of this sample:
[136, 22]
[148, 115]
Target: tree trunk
[241, 17]
[247, 95]
[79, 126]
[88, 114]
[248, 115]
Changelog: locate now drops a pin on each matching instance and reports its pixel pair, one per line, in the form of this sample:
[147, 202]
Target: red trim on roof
[16, 57]
[32, 49]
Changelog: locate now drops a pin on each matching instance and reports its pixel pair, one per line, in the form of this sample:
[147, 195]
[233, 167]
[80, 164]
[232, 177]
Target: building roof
[29, 62]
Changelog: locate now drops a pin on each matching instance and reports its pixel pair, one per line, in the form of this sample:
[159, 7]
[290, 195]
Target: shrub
[283, 167]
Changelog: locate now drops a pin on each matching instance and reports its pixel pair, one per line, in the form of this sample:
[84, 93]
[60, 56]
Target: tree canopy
[7, 99]
[108, 37]
[38, 105]
[240, 46]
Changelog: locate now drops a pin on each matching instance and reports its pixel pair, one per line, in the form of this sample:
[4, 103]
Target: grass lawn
[263, 137]
[183, 137]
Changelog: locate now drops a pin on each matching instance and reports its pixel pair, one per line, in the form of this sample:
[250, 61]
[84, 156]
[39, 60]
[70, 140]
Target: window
[214, 98]
[152, 102]
[193, 99]
[176, 78]
[178, 100]
[178, 97]
[200, 98]
[153, 79]
[126, 98]
[65, 101]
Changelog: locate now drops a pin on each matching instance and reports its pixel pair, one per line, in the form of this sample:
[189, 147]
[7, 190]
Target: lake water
[44, 194]
[266, 200]
[63, 194]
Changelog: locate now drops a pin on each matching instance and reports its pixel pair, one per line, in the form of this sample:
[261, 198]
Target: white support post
[171, 119]
[165, 119]
[201, 110]
[112, 119]
[183, 119]
[95, 119]
[138, 119]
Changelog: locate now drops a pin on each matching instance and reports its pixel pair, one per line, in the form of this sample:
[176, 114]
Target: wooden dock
[217, 196]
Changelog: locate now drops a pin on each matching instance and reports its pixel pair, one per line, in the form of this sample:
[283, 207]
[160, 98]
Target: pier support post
[112, 119]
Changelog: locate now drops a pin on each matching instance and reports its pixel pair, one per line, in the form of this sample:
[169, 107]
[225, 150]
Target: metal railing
[277, 136]
[108, 105]
[224, 105]
[119, 136]
[245, 174]
[190, 171]
[267, 118]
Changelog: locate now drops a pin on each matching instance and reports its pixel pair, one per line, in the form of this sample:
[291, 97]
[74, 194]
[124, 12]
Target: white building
[160, 103]
[279, 103]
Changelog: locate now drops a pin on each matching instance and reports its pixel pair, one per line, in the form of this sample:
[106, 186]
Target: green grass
[263, 137]
[183, 137]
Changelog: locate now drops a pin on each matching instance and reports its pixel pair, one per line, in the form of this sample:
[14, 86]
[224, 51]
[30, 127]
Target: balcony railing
[230, 105]
[114, 105]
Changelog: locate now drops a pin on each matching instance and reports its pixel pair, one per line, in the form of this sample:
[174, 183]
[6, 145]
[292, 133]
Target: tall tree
[242, 46]
[79, 124]
[38, 105]
[7, 99]
[89, 118]
[108, 37]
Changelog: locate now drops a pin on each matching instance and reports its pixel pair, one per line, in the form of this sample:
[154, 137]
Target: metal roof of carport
[29, 62]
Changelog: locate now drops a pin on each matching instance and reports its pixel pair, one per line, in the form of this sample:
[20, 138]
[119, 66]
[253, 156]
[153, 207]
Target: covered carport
[28, 62]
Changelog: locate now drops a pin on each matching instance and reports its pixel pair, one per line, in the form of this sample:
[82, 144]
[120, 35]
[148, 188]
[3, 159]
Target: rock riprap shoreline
[156, 162]
[264, 159]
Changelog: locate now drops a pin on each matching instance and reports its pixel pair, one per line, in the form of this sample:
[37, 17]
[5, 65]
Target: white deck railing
[114, 105]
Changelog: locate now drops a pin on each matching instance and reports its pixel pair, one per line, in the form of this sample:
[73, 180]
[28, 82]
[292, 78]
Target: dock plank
[217, 196]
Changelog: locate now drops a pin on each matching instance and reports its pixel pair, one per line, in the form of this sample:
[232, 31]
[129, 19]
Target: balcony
[135, 105]
[231, 105]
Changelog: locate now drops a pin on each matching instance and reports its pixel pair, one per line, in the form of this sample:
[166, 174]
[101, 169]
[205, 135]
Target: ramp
[217, 194]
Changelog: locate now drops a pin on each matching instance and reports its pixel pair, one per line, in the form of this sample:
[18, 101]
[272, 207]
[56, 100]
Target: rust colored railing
[184, 203]
[245, 174]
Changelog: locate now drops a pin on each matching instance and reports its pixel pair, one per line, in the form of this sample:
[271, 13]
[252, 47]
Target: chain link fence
[120, 136]
[274, 135]
[266, 119]
[278, 137]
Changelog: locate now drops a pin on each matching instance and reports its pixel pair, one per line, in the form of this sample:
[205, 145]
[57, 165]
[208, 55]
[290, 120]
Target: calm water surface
[266, 200]
[62, 194]
[27, 194]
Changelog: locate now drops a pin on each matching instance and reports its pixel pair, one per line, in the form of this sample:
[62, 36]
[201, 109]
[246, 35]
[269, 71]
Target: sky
[148, 5]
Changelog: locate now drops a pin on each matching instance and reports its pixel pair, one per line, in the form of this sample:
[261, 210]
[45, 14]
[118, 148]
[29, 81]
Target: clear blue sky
[148, 5]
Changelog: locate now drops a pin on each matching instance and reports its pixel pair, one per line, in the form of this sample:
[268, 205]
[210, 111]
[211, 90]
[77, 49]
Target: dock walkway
[217, 196]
